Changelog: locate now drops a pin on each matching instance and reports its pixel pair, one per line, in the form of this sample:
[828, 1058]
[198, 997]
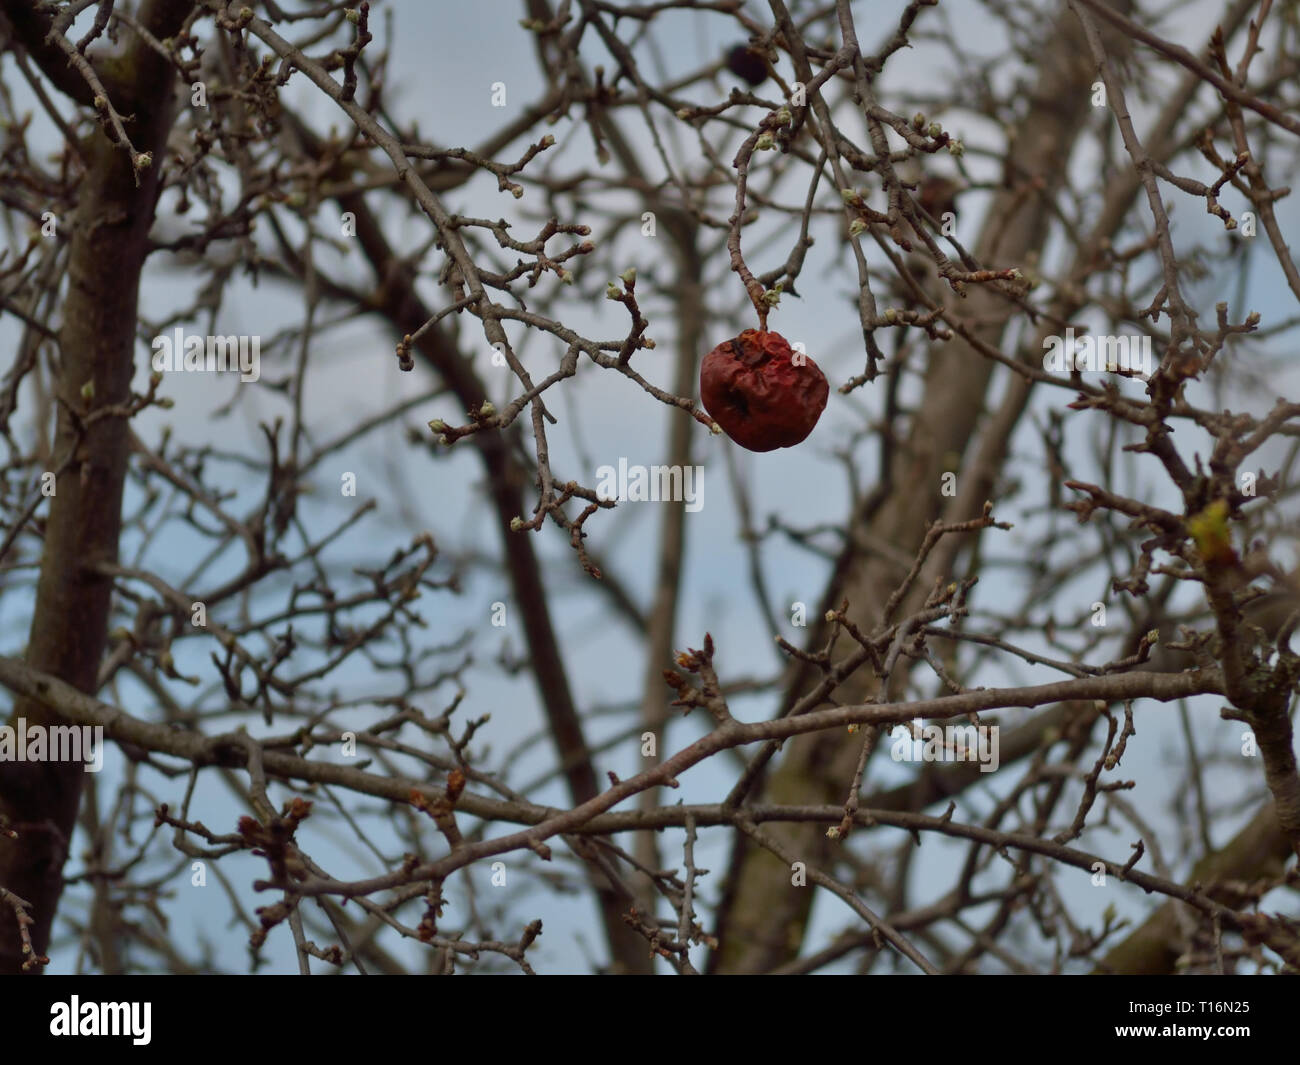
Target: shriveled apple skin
[751, 386]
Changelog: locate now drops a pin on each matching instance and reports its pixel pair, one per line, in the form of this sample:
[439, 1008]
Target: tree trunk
[109, 235]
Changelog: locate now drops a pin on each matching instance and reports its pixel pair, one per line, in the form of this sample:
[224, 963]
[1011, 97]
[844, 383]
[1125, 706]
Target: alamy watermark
[211, 354]
[1098, 354]
[652, 484]
[947, 743]
[53, 743]
[77, 1018]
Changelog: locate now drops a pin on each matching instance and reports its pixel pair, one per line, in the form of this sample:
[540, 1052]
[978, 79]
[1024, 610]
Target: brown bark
[402, 307]
[109, 236]
[762, 919]
[1258, 850]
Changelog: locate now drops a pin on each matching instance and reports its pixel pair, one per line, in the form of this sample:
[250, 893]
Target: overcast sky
[446, 56]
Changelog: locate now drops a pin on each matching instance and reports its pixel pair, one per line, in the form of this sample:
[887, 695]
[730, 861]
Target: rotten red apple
[748, 63]
[762, 397]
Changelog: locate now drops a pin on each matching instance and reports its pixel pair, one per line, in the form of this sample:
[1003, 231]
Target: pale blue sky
[445, 58]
